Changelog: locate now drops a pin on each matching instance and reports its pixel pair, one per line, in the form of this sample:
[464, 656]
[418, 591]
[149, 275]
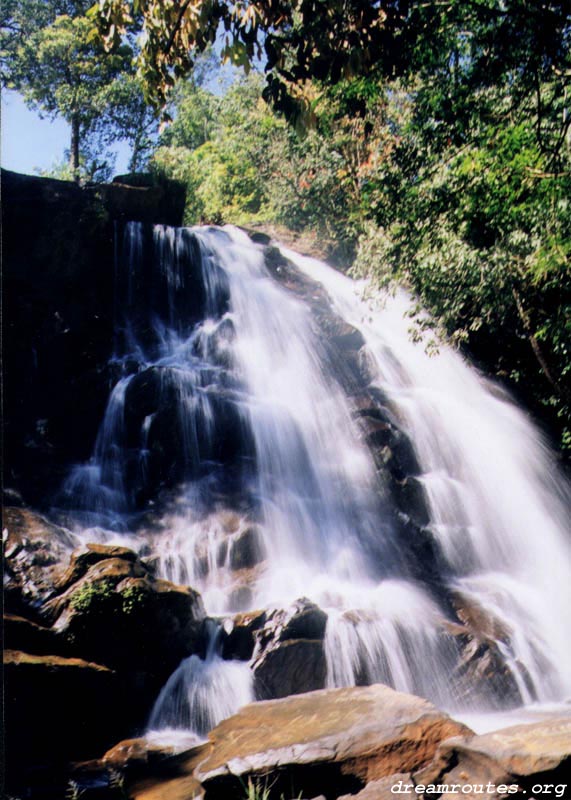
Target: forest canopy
[435, 144]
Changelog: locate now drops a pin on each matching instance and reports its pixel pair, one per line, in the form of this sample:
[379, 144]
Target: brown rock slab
[23, 634]
[183, 788]
[142, 752]
[379, 790]
[341, 738]
[521, 755]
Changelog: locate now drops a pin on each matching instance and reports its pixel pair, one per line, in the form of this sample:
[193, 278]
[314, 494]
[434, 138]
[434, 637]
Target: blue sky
[31, 144]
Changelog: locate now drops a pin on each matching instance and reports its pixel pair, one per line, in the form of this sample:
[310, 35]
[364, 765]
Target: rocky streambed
[91, 636]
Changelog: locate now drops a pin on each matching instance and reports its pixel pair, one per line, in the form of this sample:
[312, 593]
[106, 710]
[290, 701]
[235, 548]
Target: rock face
[391, 450]
[58, 271]
[34, 550]
[329, 742]
[524, 755]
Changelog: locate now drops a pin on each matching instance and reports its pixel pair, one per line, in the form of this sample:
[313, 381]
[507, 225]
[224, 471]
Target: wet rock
[369, 404]
[410, 499]
[59, 275]
[482, 673]
[340, 334]
[289, 657]
[330, 742]
[141, 754]
[302, 620]
[291, 278]
[180, 436]
[376, 432]
[522, 755]
[479, 620]
[239, 635]
[292, 667]
[33, 552]
[115, 612]
[82, 560]
[247, 549]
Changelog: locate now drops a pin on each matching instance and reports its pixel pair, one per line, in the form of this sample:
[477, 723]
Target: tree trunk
[535, 346]
[74, 150]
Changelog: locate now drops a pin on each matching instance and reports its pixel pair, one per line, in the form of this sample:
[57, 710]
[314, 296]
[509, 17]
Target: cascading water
[228, 394]
[202, 691]
[497, 506]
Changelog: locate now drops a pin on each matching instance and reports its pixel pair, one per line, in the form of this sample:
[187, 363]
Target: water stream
[226, 365]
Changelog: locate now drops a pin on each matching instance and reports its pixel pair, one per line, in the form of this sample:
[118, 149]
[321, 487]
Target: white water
[202, 692]
[310, 489]
[498, 508]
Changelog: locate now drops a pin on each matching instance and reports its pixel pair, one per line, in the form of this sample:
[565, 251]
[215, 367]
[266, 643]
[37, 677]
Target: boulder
[81, 560]
[482, 672]
[117, 613]
[239, 634]
[247, 548]
[58, 709]
[329, 742]
[293, 667]
[289, 656]
[33, 552]
[523, 754]
[302, 620]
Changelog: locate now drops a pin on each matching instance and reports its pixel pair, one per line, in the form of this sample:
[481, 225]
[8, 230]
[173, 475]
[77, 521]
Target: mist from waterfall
[270, 454]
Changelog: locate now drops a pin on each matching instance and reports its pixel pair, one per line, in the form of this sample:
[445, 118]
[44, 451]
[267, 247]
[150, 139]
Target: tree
[453, 177]
[53, 55]
[296, 41]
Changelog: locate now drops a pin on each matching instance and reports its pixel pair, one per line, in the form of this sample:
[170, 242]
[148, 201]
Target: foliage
[255, 792]
[454, 178]
[134, 600]
[297, 41]
[243, 164]
[470, 202]
[53, 55]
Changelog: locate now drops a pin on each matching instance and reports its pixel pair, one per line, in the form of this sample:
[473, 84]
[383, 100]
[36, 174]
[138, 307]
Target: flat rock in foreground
[327, 742]
[539, 752]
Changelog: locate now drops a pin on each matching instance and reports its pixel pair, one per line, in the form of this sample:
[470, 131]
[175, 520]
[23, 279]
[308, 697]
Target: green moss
[94, 598]
[134, 600]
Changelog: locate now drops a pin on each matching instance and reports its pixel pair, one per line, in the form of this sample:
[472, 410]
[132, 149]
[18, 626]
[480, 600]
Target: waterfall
[202, 692]
[498, 508]
[235, 410]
